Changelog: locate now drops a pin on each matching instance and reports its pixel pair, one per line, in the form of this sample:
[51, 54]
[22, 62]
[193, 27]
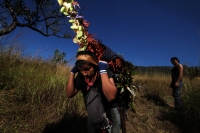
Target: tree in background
[42, 16]
[58, 57]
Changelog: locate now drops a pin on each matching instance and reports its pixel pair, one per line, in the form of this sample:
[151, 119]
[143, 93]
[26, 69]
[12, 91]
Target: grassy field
[32, 98]
[155, 105]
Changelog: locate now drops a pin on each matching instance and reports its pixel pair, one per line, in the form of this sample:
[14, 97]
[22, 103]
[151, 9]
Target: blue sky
[146, 32]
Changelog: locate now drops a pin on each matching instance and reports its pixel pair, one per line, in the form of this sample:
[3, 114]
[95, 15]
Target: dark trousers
[176, 93]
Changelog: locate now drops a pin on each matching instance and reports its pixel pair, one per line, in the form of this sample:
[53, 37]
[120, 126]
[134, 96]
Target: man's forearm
[70, 90]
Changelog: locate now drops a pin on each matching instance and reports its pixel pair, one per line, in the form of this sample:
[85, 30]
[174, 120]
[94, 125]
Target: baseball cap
[175, 58]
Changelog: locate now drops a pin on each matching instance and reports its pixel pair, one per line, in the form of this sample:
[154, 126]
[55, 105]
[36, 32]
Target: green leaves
[58, 57]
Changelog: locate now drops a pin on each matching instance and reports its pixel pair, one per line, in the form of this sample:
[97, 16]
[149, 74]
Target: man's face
[87, 71]
[174, 62]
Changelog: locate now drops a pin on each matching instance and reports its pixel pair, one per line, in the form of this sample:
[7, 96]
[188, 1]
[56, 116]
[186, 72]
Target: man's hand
[103, 65]
[177, 84]
[74, 69]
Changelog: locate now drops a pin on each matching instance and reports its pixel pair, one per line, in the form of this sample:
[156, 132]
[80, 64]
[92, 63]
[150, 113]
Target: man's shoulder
[180, 65]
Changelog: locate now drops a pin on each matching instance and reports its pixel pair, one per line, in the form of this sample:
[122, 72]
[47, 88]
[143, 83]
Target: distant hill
[153, 69]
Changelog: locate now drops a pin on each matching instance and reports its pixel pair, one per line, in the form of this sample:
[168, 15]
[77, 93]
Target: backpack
[95, 109]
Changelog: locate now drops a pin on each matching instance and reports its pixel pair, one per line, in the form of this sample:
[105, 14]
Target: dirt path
[152, 116]
[155, 116]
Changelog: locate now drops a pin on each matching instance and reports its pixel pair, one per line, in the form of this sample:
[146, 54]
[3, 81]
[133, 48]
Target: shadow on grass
[68, 124]
[177, 117]
[156, 99]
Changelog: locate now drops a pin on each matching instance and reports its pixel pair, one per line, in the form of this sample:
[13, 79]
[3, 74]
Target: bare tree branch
[42, 16]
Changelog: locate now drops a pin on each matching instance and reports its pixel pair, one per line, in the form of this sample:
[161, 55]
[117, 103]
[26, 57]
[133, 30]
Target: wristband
[102, 65]
[102, 71]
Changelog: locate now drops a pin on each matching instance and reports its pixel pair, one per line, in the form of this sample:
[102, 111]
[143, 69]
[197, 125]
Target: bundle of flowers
[123, 69]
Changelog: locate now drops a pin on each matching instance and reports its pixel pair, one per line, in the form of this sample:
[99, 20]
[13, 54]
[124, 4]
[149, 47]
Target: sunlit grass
[156, 87]
[32, 93]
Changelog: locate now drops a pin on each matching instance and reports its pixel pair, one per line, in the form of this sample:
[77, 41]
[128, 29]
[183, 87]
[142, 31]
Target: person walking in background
[176, 82]
[92, 77]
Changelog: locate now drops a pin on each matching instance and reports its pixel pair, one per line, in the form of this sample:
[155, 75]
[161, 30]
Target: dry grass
[32, 99]
[154, 106]
[32, 92]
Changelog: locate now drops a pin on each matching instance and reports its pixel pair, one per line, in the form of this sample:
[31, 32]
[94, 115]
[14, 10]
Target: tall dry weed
[32, 91]
[156, 87]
